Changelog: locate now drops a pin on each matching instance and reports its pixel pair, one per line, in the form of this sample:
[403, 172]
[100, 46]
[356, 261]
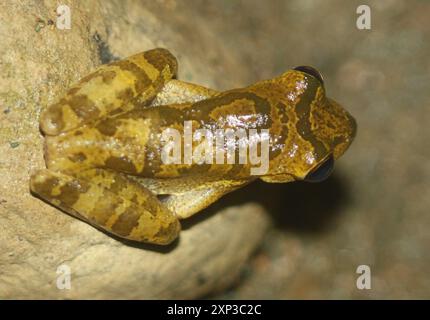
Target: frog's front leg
[109, 201]
[115, 87]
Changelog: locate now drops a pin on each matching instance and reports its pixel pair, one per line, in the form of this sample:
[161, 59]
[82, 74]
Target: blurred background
[374, 210]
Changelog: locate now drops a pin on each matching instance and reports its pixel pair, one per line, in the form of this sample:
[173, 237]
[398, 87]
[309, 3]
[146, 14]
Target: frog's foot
[109, 201]
[115, 87]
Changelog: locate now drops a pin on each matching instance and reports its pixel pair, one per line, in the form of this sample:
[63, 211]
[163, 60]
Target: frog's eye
[322, 172]
[311, 71]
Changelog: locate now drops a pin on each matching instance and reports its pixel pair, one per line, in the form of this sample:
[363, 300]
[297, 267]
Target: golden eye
[322, 172]
[311, 71]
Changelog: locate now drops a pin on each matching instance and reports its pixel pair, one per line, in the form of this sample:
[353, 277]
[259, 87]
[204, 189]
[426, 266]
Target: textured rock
[38, 63]
[208, 256]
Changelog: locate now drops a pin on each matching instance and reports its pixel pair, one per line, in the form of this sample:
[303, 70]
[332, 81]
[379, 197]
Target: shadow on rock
[298, 206]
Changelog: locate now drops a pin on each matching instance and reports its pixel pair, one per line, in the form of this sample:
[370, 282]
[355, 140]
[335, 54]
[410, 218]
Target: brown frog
[104, 143]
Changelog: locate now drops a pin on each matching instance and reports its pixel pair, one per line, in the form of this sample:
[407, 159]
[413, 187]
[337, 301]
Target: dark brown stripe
[126, 221]
[143, 81]
[107, 126]
[83, 107]
[160, 58]
[70, 192]
[44, 189]
[303, 110]
[122, 164]
[106, 207]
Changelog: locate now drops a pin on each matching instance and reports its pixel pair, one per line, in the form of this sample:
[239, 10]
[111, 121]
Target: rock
[208, 256]
[38, 64]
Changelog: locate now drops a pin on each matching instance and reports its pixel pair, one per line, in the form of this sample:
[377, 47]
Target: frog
[103, 143]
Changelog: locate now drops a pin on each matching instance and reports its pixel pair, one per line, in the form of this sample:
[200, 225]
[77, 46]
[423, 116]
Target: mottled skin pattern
[102, 143]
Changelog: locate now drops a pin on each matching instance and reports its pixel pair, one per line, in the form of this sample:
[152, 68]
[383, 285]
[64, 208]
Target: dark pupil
[322, 172]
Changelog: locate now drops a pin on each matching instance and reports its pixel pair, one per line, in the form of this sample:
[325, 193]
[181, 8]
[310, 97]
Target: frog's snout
[344, 128]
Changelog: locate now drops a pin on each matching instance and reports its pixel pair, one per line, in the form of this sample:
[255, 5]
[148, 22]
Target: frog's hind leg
[187, 200]
[109, 201]
[176, 91]
[115, 87]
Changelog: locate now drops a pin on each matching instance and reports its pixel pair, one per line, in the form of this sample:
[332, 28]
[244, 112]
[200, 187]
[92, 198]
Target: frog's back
[134, 142]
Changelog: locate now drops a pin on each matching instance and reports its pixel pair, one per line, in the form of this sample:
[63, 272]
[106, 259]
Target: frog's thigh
[114, 87]
[109, 201]
[176, 91]
[187, 203]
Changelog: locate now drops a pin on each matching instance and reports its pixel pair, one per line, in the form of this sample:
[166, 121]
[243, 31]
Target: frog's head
[318, 129]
